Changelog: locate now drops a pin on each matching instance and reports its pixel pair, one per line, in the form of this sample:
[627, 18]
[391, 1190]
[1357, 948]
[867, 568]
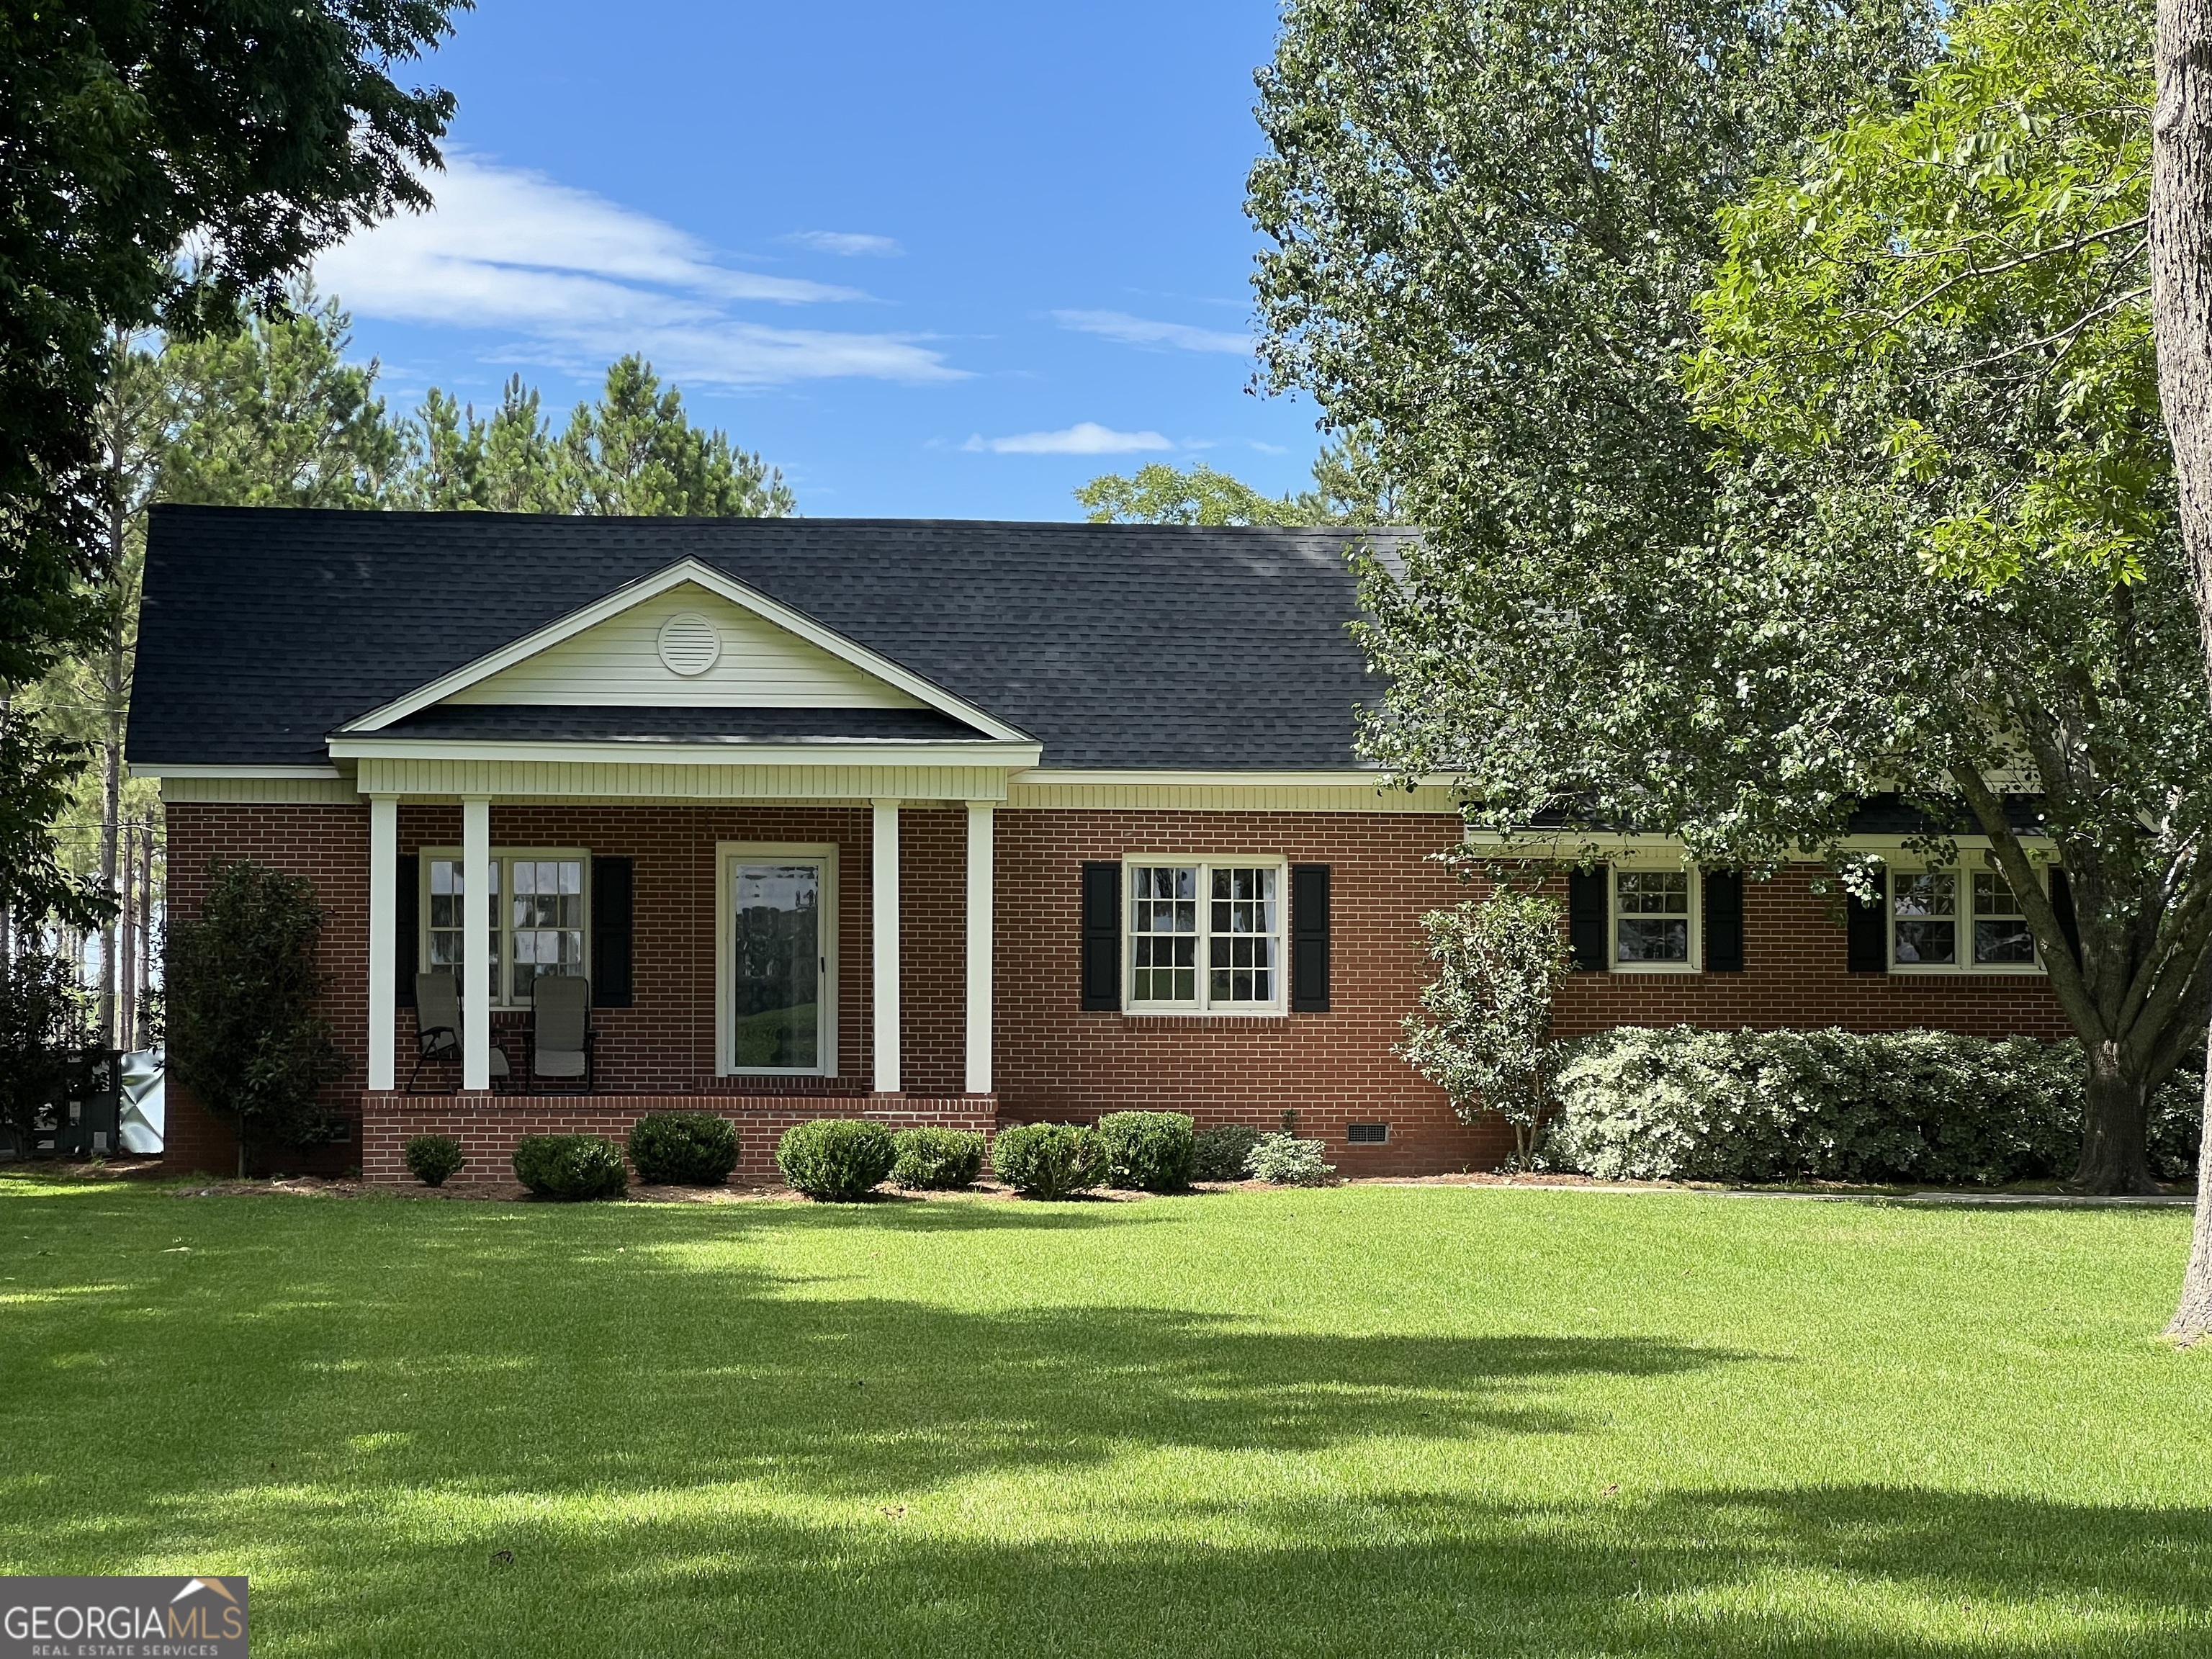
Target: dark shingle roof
[1114, 645]
[1892, 814]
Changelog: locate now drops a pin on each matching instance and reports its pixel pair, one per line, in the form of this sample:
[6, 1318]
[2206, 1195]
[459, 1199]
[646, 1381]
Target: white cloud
[1143, 331]
[848, 244]
[1083, 438]
[582, 279]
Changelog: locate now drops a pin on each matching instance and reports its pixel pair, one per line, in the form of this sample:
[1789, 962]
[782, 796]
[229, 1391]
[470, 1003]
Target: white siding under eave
[297, 791]
[618, 663]
[506, 779]
[1227, 798]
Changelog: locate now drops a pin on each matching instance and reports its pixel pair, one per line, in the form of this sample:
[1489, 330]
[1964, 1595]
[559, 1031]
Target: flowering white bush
[1896, 1106]
[1289, 1162]
[1483, 1032]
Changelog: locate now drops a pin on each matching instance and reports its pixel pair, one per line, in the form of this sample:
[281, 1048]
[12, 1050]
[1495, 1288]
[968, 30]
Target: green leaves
[1775, 385]
[634, 452]
[1955, 295]
[1483, 1032]
[251, 134]
[246, 1032]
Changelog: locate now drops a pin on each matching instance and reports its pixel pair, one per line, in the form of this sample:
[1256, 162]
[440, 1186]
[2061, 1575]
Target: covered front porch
[767, 940]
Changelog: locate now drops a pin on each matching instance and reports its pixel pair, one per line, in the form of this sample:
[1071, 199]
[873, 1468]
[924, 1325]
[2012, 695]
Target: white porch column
[981, 895]
[885, 895]
[383, 935]
[476, 937]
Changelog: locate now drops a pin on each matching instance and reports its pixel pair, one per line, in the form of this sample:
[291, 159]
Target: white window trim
[727, 855]
[1696, 965]
[1279, 1007]
[502, 917]
[1964, 922]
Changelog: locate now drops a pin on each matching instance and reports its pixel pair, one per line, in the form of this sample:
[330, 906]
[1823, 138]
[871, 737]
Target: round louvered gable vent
[690, 644]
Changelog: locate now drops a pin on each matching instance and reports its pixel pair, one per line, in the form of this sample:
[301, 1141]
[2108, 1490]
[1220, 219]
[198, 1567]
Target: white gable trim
[675, 575]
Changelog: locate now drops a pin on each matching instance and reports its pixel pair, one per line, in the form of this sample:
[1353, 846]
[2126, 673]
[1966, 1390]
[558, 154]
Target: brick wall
[1052, 1059]
[1795, 975]
[488, 1126]
[329, 844]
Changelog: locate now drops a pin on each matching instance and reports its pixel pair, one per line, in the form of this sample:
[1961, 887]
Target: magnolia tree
[246, 1032]
[1483, 1032]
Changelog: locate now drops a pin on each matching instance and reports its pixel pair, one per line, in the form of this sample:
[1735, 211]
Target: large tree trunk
[146, 937]
[2192, 1320]
[2115, 1119]
[111, 781]
[126, 948]
[2181, 302]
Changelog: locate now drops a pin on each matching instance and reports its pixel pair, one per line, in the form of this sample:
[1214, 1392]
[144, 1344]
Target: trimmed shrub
[937, 1159]
[570, 1166]
[431, 1158]
[1893, 1107]
[835, 1159]
[1150, 1152]
[1046, 1160]
[1222, 1152]
[1289, 1162]
[684, 1149]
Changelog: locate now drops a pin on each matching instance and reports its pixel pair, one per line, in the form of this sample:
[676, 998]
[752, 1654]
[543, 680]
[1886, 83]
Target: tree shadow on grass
[686, 1454]
[489, 1356]
[1839, 1573]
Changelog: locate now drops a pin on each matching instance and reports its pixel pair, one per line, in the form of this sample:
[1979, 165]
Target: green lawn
[1386, 1420]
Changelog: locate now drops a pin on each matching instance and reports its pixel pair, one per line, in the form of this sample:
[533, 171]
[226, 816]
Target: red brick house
[934, 822]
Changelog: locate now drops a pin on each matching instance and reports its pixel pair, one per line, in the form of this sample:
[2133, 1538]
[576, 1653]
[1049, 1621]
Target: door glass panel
[776, 946]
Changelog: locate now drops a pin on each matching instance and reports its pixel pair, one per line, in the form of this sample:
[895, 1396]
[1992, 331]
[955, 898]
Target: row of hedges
[845, 1158]
[841, 1158]
[677, 1149]
[1909, 1107]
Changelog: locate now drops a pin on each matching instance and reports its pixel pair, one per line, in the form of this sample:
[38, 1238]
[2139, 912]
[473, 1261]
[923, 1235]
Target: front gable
[687, 648]
[688, 637]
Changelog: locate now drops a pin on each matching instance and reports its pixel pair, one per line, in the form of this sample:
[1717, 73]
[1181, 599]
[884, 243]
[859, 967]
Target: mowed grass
[1367, 1420]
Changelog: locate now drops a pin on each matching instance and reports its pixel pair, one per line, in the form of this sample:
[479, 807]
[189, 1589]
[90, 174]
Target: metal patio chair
[438, 1027]
[561, 1035]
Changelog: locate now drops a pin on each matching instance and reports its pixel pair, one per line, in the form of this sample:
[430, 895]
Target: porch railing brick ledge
[487, 1125]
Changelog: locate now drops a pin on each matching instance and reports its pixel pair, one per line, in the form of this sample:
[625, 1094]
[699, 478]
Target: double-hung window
[1205, 937]
[1962, 921]
[1654, 919]
[539, 917]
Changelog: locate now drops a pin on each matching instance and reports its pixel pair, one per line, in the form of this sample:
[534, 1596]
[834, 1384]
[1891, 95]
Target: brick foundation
[488, 1126]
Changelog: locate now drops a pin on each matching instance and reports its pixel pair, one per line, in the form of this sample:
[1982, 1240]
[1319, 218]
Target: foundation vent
[1367, 1134]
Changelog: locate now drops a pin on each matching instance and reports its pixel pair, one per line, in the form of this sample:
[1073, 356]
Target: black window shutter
[408, 917]
[1589, 907]
[1310, 939]
[1868, 929]
[1102, 936]
[2061, 900]
[610, 931]
[1723, 921]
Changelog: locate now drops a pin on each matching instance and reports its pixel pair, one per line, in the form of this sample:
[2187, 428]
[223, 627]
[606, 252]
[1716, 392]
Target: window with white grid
[1205, 936]
[1958, 921]
[539, 917]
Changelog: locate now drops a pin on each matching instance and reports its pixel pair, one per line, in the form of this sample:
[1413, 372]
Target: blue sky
[933, 261]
